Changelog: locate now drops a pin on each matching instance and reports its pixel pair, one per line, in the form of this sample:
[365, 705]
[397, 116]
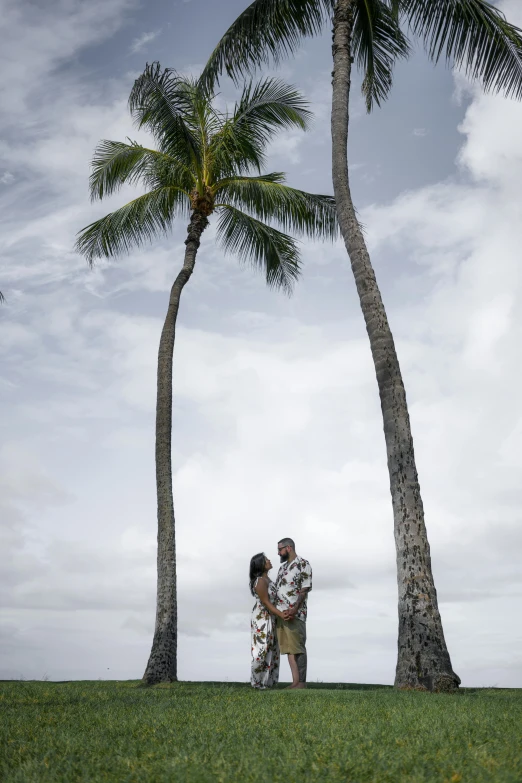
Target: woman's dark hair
[257, 568]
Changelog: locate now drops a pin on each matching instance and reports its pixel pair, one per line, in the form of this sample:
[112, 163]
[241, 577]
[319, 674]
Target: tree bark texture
[162, 664]
[423, 660]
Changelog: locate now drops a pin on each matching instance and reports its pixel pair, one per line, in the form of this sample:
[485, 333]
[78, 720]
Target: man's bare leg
[298, 668]
[301, 662]
[294, 669]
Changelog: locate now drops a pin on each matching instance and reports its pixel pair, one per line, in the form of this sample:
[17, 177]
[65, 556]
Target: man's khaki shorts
[291, 636]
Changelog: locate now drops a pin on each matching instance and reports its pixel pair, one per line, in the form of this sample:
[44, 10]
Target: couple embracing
[279, 616]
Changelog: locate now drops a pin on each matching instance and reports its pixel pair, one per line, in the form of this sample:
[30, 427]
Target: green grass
[199, 732]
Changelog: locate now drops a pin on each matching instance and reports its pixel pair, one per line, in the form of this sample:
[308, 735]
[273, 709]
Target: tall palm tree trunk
[162, 664]
[423, 660]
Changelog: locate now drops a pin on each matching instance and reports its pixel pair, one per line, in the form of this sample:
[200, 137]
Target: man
[293, 583]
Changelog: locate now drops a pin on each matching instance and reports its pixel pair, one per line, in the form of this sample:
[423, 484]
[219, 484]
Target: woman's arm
[261, 589]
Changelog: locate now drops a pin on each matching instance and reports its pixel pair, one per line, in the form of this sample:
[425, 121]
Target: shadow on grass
[219, 684]
[330, 686]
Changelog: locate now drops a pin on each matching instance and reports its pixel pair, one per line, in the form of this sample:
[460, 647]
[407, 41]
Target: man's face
[283, 552]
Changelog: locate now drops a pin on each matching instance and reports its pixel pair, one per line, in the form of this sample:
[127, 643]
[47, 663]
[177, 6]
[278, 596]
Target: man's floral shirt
[292, 579]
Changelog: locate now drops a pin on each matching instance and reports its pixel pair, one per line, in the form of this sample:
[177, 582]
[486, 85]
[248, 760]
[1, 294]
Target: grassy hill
[209, 732]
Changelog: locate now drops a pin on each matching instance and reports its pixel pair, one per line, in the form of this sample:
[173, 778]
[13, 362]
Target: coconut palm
[476, 37]
[207, 163]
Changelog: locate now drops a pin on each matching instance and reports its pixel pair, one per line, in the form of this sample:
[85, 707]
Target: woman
[265, 649]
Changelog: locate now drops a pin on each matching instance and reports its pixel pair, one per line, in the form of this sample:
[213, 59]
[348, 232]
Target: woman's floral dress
[265, 648]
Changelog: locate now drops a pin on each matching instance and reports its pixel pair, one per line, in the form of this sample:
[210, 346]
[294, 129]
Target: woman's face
[268, 564]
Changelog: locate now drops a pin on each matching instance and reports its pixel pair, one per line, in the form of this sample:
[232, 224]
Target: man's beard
[284, 558]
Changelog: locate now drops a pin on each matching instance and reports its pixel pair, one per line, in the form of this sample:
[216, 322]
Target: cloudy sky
[277, 424]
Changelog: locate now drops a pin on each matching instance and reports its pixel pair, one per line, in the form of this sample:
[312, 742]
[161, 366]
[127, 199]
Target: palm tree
[202, 166]
[476, 37]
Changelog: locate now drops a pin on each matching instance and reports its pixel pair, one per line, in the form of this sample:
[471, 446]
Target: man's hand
[289, 614]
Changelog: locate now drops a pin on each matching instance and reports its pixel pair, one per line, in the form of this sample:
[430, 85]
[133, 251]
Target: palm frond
[266, 30]
[139, 221]
[395, 8]
[262, 110]
[269, 199]
[163, 102]
[269, 106]
[116, 163]
[2, 298]
[378, 42]
[475, 35]
[162, 174]
[267, 249]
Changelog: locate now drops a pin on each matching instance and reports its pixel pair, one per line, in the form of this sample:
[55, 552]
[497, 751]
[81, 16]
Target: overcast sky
[277, 424]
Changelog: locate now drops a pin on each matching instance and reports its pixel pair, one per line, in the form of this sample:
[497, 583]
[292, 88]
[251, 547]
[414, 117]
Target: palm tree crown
[208, 161]
[472, 33]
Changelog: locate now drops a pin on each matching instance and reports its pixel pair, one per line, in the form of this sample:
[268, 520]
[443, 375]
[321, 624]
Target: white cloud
[48, 35]
[142, 40]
